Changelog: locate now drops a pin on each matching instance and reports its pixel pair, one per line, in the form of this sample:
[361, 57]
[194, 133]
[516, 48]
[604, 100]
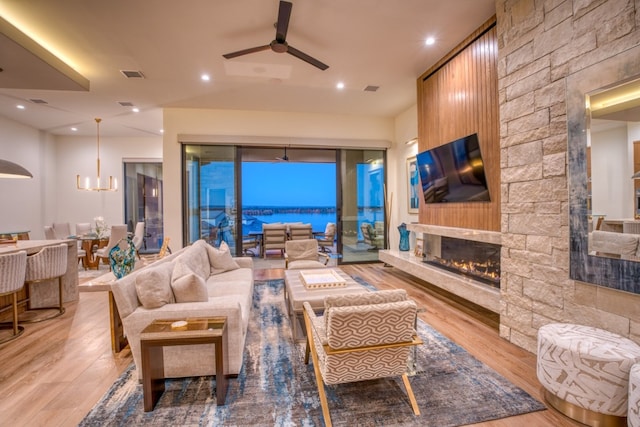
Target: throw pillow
[195, 256]
[220, 259]
[153, 286]
[187, 286]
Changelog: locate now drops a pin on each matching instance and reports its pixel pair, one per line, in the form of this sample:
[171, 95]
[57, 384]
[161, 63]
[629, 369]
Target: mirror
[585, 88]
[613, 157]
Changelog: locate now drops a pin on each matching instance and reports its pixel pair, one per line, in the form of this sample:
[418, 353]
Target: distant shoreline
[271, 210]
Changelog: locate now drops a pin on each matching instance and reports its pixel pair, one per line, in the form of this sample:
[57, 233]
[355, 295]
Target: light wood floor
[57, 371]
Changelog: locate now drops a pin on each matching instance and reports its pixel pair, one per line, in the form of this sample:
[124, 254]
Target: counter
[45, 296]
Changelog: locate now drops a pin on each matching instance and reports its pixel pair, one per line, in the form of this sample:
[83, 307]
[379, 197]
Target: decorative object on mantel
[12, 170]
[122, 258]
[113, 184]
[404, 237]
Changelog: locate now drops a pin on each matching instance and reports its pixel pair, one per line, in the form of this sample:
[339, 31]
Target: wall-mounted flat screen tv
[453, 172]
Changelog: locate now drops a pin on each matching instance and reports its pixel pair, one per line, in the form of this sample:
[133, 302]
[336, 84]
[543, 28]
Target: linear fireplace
[477, 260]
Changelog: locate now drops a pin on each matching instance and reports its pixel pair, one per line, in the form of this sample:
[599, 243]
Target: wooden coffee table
[296, 293]
[160, 333]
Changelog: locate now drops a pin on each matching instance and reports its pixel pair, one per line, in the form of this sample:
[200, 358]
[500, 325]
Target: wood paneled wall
[457, 97]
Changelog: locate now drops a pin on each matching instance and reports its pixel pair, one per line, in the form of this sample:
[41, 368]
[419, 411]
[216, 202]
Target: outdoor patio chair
[274, 237]
[300, 232]
[325, 241]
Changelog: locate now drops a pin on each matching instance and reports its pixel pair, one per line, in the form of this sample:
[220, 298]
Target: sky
[288, 184]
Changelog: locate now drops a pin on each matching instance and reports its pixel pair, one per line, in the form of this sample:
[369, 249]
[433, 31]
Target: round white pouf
[585, 368]
[633, 414]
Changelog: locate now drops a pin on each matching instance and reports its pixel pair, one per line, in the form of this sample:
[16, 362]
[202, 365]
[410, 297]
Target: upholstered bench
[633, 412]
[585, 372]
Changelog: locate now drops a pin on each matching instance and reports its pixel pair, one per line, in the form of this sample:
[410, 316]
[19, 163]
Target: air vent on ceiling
[371, 88]
[38, 101]
[132, 74]
[126, 103]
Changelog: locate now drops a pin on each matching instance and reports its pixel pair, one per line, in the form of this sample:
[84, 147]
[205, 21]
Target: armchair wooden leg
[412, 398]
[316, 370]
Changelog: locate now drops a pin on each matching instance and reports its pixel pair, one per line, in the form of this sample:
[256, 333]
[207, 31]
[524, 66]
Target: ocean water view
[318, 217]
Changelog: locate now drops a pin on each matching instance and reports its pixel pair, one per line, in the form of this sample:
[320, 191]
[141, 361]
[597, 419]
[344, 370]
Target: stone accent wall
[540, 43]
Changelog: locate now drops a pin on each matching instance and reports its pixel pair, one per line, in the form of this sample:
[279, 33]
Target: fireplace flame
[487, 270]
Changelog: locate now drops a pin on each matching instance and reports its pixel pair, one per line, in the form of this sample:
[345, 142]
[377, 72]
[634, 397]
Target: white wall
[406, 128]
[252, 123]
[77, 155]
[611, 170]
[25, 202]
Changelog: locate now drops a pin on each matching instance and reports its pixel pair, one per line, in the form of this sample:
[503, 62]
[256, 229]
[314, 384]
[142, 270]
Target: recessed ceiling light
[161, 130]
[74, 129]
[205, 77]
[340, 85]
[135, 109]
[20, 107]
[429, 41]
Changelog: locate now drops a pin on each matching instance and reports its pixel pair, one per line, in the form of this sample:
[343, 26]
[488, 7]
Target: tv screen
[453, 172]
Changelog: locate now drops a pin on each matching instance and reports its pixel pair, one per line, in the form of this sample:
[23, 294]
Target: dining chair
[48, 264]
[48, 233]
[12, 273]
[62, 230]
[118, 232]
[138, 237]
[83, 228]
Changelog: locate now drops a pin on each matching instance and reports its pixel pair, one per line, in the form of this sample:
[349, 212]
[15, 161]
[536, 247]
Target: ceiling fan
[284, 158]
[280, 45]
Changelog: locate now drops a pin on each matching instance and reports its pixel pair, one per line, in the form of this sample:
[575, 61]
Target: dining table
[88, 243]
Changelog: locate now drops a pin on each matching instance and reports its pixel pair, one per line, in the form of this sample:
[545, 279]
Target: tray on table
[321, 279]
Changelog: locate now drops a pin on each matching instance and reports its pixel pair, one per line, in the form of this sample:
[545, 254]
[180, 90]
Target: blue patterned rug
[276, 388]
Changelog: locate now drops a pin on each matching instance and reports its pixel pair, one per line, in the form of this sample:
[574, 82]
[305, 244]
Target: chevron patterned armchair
[361, 337]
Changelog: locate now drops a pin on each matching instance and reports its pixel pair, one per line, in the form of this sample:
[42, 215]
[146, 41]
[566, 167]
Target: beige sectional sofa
[197, 281]
[620, 245]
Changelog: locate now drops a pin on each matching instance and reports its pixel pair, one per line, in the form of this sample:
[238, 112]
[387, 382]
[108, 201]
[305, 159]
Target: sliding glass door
[210, 194]
[143, 201]
[230, 192]
[362, 193]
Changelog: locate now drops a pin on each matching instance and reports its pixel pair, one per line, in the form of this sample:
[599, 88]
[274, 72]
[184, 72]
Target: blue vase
[404, 237]
[122, 258]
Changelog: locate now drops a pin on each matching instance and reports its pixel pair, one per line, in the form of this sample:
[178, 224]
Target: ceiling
[365, 43]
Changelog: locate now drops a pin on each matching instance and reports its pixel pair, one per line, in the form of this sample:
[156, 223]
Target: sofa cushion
[153, 286]
[220, 259]
[196, 258]
[188, 286]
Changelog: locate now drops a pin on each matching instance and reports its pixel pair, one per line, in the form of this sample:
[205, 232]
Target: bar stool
[48, 264]
[12, 274]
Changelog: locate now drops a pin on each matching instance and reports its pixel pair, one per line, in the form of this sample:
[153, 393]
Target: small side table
[197, 331]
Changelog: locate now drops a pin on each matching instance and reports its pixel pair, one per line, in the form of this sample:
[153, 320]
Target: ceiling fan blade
[301, 55]
[284, 13]
[246, 51]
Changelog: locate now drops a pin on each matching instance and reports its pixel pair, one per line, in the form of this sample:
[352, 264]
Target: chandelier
[113, 184]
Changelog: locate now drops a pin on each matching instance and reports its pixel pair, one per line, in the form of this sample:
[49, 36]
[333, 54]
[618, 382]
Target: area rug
[276, 388]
